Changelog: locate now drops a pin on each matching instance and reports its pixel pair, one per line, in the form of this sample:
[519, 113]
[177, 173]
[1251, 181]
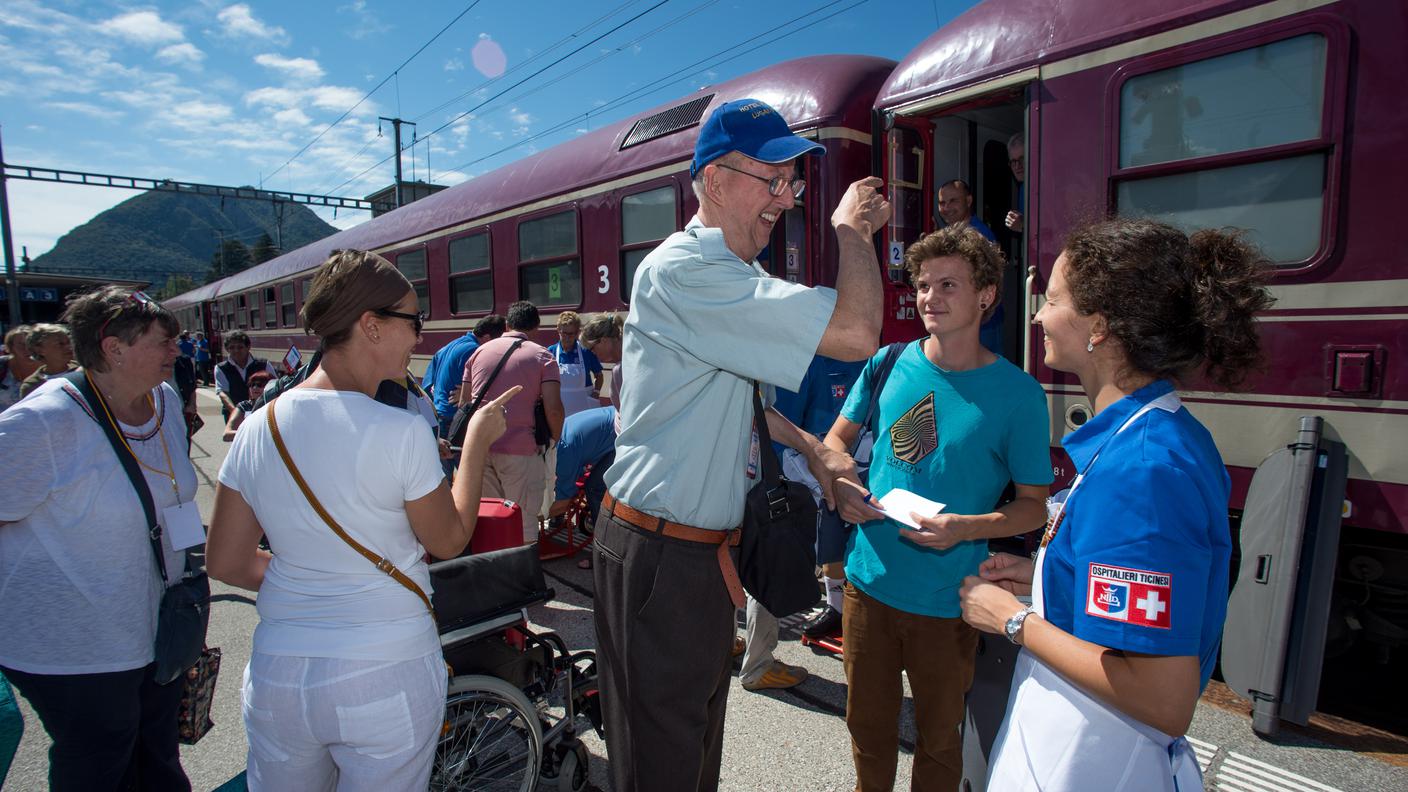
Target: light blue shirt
[703, 325]
[956, 437]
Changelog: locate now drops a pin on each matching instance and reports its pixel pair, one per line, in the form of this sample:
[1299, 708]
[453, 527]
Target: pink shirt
[530, 366]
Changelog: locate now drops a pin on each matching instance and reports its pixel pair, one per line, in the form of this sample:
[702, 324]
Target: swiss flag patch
[1133, 596]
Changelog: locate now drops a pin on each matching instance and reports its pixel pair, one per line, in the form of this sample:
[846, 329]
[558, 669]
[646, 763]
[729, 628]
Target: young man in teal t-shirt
[955, 424]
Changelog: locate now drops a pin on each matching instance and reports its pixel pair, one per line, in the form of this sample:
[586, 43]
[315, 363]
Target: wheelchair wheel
[492, 739]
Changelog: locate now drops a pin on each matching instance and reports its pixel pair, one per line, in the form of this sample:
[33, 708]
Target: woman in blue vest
[1129, 590]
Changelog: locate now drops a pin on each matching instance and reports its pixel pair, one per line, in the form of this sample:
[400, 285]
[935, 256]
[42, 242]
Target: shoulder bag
[184, 613]
[777, 552]
[460, 423]
[380, 562]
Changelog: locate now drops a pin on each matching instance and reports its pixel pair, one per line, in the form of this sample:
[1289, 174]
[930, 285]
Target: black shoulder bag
[777, 552]
[185, 606]
[460, 423]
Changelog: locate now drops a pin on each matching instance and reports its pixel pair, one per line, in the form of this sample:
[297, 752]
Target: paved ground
[793, 740]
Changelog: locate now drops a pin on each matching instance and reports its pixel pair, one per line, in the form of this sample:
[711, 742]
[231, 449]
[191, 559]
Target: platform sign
[555, 283]
[33, 294]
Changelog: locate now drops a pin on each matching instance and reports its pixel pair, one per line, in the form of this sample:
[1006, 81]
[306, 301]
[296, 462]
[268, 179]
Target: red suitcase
[500, 525]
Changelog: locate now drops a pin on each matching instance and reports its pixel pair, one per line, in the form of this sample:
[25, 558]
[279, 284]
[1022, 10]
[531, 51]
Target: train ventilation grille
[667, 122]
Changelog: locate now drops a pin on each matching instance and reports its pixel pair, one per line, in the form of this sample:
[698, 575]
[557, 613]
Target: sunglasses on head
[139, 298]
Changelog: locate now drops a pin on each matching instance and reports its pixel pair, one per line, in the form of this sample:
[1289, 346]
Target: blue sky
[228, 93]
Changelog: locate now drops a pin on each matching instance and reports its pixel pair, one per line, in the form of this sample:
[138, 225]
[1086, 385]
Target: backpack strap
[882, 374]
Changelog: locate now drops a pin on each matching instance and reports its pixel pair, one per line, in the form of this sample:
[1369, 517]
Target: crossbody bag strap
[79, 380]
[767, 455]
[479, 397]
[882, 374]
[380, 562]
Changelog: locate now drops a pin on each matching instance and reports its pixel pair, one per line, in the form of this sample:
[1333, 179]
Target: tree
[264, 249]
[231, 257]
[175, 284]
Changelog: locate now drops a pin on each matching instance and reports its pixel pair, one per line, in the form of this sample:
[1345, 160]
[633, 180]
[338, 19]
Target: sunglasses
[417, 319]
[138, 298]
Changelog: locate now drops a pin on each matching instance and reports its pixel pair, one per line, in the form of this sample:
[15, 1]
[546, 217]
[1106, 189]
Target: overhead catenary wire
[385, 80]
[452, 121]
[673, 77]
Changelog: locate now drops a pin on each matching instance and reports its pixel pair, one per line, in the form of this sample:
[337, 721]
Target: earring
[1090, 345]
[982, 306]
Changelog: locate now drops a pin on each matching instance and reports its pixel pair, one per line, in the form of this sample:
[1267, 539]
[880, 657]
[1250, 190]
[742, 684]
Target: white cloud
[300, 69]
[84, 108]
[365, 24]
[142, 27]
[292, 117]
[519, 117]
[184, 52]
[238, 20]
[334, 97]
[44, 211]
[454, 64]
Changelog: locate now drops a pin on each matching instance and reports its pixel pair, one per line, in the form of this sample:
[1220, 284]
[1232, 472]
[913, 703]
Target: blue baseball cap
[753, 129]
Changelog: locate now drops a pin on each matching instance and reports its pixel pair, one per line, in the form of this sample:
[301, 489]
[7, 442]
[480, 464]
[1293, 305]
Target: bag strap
[479, 397]
[882, 374]
[381, 563]
[101, 414]
[772, 469]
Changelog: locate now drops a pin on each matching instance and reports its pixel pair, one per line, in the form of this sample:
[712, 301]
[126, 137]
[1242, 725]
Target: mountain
[158, 234]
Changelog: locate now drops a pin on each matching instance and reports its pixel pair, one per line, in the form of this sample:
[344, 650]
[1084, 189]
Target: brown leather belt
[687, 533]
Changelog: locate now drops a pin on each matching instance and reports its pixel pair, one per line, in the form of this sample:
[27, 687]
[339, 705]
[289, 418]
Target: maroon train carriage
[565, 228]
[1283, 118]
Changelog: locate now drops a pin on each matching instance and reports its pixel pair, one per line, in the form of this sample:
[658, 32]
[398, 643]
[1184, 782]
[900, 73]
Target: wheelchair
[517, 698]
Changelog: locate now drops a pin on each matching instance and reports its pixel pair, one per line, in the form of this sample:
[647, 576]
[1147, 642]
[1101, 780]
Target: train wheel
[491, 740]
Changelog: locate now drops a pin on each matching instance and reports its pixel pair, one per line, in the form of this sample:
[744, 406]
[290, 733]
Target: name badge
[753, 456]
[183, 526]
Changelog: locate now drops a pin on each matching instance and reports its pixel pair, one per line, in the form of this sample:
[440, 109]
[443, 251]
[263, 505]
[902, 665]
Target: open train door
[1273, 641]
[908, 142]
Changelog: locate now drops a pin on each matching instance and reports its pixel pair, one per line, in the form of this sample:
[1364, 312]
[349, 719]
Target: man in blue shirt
[445, 373]
[955, 209]
[588, 438]
[956, 423]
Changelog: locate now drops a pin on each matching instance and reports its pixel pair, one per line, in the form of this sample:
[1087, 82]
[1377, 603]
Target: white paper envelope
[898, 503]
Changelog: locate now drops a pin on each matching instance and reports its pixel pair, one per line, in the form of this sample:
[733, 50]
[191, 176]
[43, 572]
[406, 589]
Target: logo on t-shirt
[838, 392]
[914, 435]
[1133, 596]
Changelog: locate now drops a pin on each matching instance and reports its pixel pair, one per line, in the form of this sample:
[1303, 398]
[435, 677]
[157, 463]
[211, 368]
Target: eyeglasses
[137, 297]
[416, 319]
[777, 185]
[1016, 160]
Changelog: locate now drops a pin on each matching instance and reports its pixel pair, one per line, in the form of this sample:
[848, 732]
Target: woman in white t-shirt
[79, 584]
[346, 677]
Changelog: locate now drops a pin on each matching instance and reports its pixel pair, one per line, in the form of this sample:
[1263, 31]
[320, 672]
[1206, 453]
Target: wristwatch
[1014, 624]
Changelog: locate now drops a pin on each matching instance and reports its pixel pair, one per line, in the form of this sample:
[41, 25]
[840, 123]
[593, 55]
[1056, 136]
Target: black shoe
[824, 624]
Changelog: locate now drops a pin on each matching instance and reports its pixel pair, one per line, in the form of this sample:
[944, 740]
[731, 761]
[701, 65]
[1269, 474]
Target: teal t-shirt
[956, 437]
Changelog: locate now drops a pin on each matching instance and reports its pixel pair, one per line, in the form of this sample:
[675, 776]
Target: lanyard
[170, 472]
[1168, 403]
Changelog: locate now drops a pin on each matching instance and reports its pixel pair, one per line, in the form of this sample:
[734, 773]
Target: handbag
[542, 432]
[197, 696]
[185, 606]
[460, 423]
[380, 562]
[777, 552]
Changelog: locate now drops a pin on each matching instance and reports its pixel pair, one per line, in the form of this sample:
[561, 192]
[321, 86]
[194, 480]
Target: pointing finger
[505, 396]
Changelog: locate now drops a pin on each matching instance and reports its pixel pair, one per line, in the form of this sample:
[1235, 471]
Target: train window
[1279, 202]
[412, 265]
[1255, 98]
[906, 149]
[287, 310]
[1237, 139]
[549, 273]
[271, 307]
[471, 274]
[646, 218]
[229, 315]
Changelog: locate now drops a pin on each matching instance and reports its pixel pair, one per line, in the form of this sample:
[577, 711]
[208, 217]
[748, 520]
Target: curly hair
[984, 257]
[1177, 304]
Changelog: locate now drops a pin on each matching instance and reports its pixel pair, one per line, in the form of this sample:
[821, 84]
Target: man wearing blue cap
[707, 323]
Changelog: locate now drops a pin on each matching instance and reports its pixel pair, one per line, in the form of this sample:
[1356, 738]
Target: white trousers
[320, 724]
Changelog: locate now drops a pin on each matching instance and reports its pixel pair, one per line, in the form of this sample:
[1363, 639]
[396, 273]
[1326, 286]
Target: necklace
[170, 472]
